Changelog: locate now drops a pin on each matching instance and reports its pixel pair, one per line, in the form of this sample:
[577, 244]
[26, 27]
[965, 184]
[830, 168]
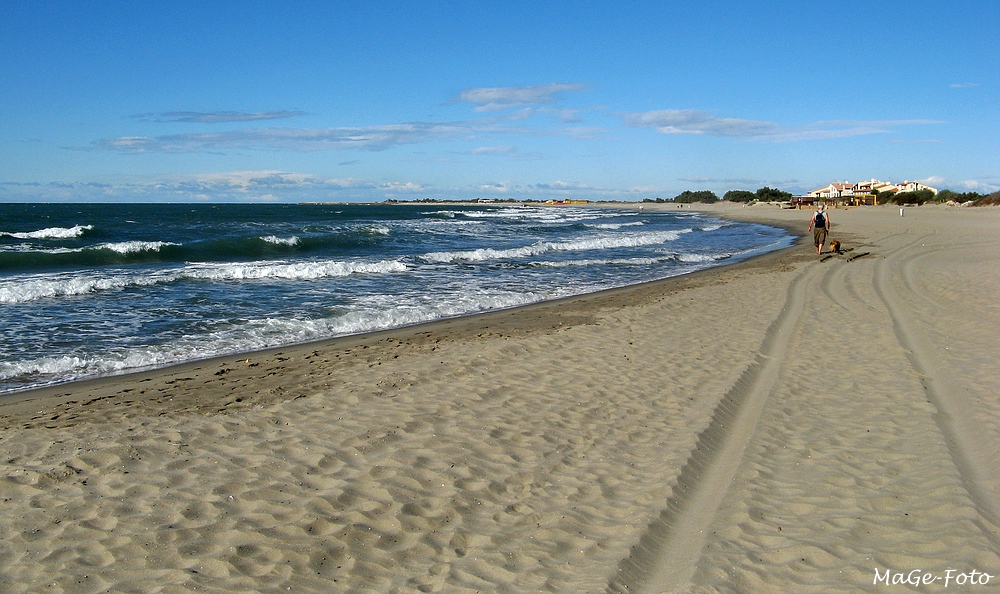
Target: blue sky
[367, 101]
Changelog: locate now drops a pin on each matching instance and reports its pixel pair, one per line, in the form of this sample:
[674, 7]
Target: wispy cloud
[830, 129]
[216, 117]
[371, 138]
[983, 186]
[367, 138]
[505, 150]
[522, 103]
[745, 182]
[271, 185]
[966, 85]
[692, 121]
[243, 186]
[501, 98]
[563, 189]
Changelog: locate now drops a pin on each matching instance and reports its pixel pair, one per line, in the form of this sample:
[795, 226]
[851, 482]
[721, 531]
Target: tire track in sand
[975, 452]
[666, 555]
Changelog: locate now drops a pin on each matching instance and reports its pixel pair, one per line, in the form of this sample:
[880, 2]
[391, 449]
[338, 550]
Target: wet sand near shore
[792, 423]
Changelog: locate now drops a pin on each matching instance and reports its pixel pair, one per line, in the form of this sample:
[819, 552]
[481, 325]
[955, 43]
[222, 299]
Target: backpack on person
[820, 220]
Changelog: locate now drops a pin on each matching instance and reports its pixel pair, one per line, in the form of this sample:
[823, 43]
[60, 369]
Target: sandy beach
[794, 423]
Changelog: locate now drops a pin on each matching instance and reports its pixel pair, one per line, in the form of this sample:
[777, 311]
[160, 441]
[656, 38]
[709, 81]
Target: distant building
[914, 187]
[865, 192]
[832, 191]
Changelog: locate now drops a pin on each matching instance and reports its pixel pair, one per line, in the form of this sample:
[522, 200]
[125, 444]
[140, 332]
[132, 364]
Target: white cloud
[981, 186]
[289, 186]
[966, 85]
[501, 98]
[494, 150]
[371, 138]
[244, 180]
[693, 121]
[367, 138]
[505, 151]
[524, 103]
[845, 129]
[569, 116]
[562, 186]
[499, 188]
[403, 187]
[214, 117]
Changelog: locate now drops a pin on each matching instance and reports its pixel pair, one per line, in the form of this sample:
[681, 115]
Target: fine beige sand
[795, 423]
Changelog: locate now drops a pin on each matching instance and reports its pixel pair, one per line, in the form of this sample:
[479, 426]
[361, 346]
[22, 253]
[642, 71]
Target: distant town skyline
[267, 101]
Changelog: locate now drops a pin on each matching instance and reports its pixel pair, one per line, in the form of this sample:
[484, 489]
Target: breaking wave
[31, 288]
[536, 249]
[50, 233]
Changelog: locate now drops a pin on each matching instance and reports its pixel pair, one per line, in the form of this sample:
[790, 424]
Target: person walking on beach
[819, 224]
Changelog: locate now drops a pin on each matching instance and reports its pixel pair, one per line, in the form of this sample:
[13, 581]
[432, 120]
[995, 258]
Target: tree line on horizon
[767, 194]
[764, 194]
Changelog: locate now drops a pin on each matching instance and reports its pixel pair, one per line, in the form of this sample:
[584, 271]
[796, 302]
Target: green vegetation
[739, 196]
[918, 197]
[767, 194]
[764, 194]
[687, 197]
[988, 200]
[961, 198]
[923, 196]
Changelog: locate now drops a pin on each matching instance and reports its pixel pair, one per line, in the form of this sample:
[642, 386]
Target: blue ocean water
[98, 289]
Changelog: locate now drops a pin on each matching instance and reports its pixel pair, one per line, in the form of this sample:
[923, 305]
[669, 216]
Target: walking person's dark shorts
[819, 236]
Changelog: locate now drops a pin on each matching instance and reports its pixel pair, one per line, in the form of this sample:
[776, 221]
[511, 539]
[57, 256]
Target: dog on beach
[835, 246]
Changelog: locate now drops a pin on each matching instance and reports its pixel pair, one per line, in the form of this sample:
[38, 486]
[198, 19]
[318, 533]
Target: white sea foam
[377, 313]
[133, 247]
[615, 226]
[699, 258]
[293, 240]
[535, 249]
[604, 262]
[542, 215]
[51, 233]
[24, 289]
[30, 288]
[443, 227]
[687, 258]
[447, 214]
[123, 247]
[47, 370]
[289, 271]
[27, 248]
